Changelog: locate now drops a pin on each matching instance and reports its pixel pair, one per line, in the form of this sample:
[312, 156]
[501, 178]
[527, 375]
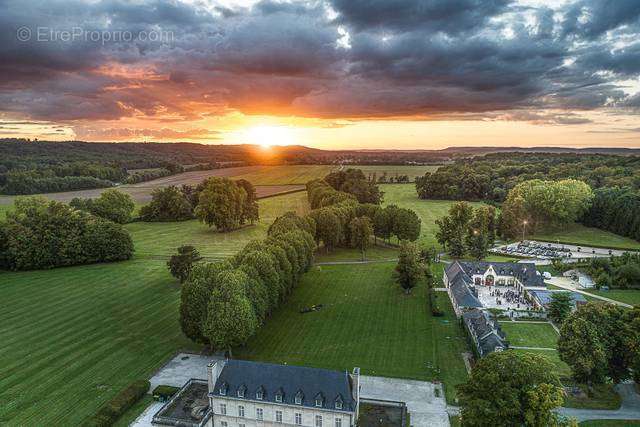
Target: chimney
[214, 369]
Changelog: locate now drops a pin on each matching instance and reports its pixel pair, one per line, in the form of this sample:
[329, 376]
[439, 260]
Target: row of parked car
[535, 249]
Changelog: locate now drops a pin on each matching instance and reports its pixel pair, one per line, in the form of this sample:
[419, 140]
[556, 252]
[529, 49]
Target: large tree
[361, 231]
[230, 320]
[167, 204]
[453, 228]
[544, 203]
[409, 269]
[113, 205]
[181, 264]
[509, 388]
[560, 306]
[221, 204]
[250, 208]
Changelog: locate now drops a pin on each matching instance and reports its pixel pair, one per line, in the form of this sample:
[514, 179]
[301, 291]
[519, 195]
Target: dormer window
[223, 389]
[279, 396]
[260, 393]
[319, 400]
[298, 398]
[242, 391]
[319, 403]
[339, 402]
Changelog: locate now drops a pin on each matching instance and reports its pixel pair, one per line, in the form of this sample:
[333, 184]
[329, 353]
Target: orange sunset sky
[333, 74]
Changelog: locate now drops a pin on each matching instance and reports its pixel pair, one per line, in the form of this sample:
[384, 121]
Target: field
[530, 334]
[73, 337]
[428, 210]
[160, 239]
[580, 235]
[366, 321]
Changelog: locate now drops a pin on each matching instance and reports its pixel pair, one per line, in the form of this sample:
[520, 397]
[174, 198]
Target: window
[259, 413]
[318, 420]
[223, 391]
[338, 404]
[223, 424]
[242, 425]
[298, 419]
[298, 400]
[278, 416]
[223, 409]
[319, 402]
[338, 422]
[241, 411]
[240, 392]
[259, 394]
[278, 398]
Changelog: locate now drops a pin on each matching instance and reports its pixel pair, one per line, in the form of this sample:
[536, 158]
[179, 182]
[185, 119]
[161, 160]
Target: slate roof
[462, 294]
[544, 297]
[488, 333]
[288, 381]
[523, 271]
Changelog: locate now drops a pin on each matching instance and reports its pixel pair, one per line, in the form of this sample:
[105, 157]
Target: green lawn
[580, 235]
[609, 423]
[73, 337]
[160, 239]
[367, 321]
[133, 412]
[428, 210]
[530, 334]
[629, 296]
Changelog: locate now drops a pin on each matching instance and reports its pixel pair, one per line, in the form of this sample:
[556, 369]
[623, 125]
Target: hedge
[433, 304]
[164, 392]
[110, 411]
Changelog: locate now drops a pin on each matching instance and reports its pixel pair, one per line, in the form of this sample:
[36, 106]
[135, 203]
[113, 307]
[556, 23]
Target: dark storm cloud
[332, 59]
[451, 16]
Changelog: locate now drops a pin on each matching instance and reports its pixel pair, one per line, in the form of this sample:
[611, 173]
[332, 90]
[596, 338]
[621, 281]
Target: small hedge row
[436, 311]
[110, 411]
[164, 392]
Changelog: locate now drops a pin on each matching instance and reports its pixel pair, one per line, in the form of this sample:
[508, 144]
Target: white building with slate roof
[250, 394]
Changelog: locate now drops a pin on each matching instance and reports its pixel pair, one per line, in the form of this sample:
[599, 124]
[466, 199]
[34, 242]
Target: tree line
[467, 230]
[492, 176]
[617, 272]
[41, 234]
[615, 209]
[224, 303]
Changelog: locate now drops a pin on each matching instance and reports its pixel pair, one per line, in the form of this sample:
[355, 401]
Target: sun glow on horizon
[268, 136]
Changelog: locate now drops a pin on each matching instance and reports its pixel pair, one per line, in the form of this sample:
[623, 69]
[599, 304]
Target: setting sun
[267, 136]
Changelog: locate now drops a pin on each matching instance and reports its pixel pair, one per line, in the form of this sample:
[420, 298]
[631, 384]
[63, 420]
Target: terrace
[188, 408]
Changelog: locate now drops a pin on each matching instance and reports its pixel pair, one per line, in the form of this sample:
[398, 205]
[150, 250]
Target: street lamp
[524, 227]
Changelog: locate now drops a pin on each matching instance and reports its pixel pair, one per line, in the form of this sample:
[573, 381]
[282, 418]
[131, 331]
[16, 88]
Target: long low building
[485, 333]
[241, 393]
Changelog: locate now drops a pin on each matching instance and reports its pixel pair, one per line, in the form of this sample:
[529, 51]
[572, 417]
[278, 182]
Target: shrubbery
[109, 413]
[40, 234]
[434, 305]
[167, 204]
[164, 392]
[112, 204]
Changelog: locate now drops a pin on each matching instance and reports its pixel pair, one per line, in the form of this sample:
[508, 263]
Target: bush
[164, 392]
[110, 411]
[436, 311]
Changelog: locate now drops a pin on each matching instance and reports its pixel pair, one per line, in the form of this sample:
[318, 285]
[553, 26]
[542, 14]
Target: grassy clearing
[73, 337]
[578, 234]
[367, 321]
[428, 210]
[160, 239]
[530, 334]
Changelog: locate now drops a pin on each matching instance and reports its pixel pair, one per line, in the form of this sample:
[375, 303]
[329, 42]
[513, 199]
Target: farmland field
[428, 210]
[73, 337]
[366, 321]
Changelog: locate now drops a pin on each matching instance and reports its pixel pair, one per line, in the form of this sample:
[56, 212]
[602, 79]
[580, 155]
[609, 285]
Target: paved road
[629, 410]
[565, 283]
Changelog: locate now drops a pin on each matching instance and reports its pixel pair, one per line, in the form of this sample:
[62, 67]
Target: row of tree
[17, 183]
[354, 182]
[41, 234]
[219, 202]
[617, 272]
[615, 209]
[224, 303]
[492, 176]
[467, 230]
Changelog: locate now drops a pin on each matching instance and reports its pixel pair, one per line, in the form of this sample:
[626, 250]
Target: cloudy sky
[328, 74]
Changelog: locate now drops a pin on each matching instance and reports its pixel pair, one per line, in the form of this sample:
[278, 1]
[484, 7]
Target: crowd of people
[511, 297]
